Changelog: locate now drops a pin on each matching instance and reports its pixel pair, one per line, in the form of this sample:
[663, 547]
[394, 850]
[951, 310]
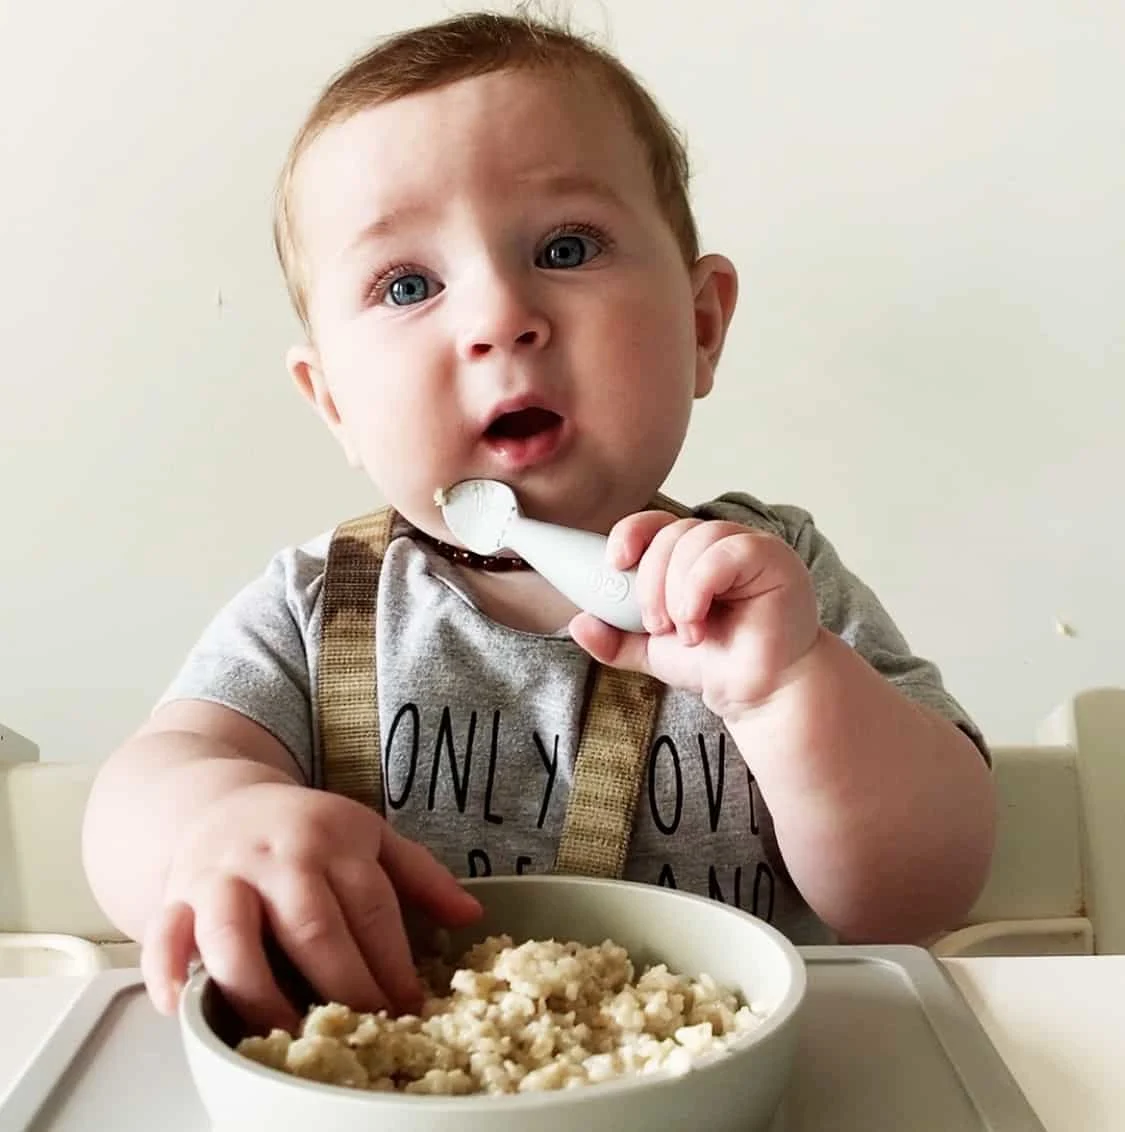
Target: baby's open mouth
[523, 424]
[525, 437]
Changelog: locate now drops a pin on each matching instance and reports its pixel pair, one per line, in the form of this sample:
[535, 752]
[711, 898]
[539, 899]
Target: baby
[485, 231]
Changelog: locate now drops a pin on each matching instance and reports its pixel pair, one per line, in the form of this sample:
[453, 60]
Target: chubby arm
[200, 841]
[883, 810]
[189, 754]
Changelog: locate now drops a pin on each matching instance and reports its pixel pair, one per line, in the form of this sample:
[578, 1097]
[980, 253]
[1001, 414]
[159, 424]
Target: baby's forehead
[485, 133]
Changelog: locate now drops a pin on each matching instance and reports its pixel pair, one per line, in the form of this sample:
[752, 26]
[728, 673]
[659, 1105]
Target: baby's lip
[523, 432]
[519, 416]
[522, 424]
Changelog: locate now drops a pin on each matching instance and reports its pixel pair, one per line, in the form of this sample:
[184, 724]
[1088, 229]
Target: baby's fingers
[631, 537]
[712, 562]
[228, 934]
[421, 879]
[311, 929]
[652, 574]
[611, 646]
[373, 915]
[168, 948]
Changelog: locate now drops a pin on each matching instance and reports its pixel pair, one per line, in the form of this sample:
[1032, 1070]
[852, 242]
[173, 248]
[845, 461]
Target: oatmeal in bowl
[575, 1002]
[516, 1018]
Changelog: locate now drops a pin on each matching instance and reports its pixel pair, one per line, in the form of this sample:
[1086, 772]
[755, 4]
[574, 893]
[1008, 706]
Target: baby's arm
[883, 808]
[148, 792]
[199, 840]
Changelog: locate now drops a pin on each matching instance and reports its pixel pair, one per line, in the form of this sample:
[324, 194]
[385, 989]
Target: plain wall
[926, 203]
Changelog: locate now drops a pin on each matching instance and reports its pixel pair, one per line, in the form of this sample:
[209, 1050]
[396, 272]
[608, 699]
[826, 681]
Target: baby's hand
[729, 611]
[319, 873]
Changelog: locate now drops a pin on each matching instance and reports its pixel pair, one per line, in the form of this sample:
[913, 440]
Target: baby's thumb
[419, 878]
[611, 646]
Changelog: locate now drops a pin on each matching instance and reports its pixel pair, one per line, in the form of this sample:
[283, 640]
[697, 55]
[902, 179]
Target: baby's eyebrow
[574, 184]
[387, 224]
[547, 185]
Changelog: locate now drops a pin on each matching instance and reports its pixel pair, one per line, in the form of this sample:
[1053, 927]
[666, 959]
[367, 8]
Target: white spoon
[485, 516]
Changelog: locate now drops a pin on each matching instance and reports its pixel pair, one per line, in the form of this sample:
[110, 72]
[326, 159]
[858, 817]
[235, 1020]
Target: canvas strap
[347, 706]
[613, 746]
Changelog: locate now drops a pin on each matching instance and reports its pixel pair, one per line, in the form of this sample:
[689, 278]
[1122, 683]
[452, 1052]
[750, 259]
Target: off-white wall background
[926, 203]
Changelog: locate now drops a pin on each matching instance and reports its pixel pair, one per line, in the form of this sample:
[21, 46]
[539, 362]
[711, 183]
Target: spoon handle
[574, 563]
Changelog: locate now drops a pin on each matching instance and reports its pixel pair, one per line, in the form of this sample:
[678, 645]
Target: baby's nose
[506, 324]
[481, 345]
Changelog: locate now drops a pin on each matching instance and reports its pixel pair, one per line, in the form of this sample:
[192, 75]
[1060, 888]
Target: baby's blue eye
[407, 290]
[567, 251]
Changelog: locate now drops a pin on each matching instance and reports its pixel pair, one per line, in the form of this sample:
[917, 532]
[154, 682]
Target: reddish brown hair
[428, 57]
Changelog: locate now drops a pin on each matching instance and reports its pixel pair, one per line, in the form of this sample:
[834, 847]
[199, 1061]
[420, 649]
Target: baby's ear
[303, 363]
[715, 287]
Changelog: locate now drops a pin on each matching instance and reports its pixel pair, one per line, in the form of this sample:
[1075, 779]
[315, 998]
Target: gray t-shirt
[480, 722]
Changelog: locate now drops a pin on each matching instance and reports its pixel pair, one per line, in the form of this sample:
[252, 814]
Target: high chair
[1057, 884]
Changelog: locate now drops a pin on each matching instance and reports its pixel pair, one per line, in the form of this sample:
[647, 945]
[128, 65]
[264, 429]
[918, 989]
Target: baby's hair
[466, 46]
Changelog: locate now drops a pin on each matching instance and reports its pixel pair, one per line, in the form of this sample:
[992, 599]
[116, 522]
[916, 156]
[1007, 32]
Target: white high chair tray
[888, 1044]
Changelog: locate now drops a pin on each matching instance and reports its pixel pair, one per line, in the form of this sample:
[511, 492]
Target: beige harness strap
[348, 707]
[612, 755]
[612, 749]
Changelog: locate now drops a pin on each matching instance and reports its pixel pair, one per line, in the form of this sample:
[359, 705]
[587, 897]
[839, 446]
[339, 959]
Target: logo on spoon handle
[610, 584]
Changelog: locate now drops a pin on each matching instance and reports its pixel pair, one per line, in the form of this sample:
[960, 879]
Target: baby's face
[494, 292]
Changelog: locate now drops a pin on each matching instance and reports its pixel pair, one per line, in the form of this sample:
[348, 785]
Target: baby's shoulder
[292, 580]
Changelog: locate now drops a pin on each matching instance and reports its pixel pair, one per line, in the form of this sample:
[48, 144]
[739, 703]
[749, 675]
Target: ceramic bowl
[736, 1091]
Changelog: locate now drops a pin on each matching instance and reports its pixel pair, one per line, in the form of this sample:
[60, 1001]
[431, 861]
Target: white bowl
[738, 1091]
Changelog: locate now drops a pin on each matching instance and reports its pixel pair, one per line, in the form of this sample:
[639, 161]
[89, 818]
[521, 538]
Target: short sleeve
[254, 657]
[850, 609]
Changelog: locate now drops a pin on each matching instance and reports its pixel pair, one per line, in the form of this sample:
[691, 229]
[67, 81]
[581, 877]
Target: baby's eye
[408, 289]
[403, 285]
[571, 250]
